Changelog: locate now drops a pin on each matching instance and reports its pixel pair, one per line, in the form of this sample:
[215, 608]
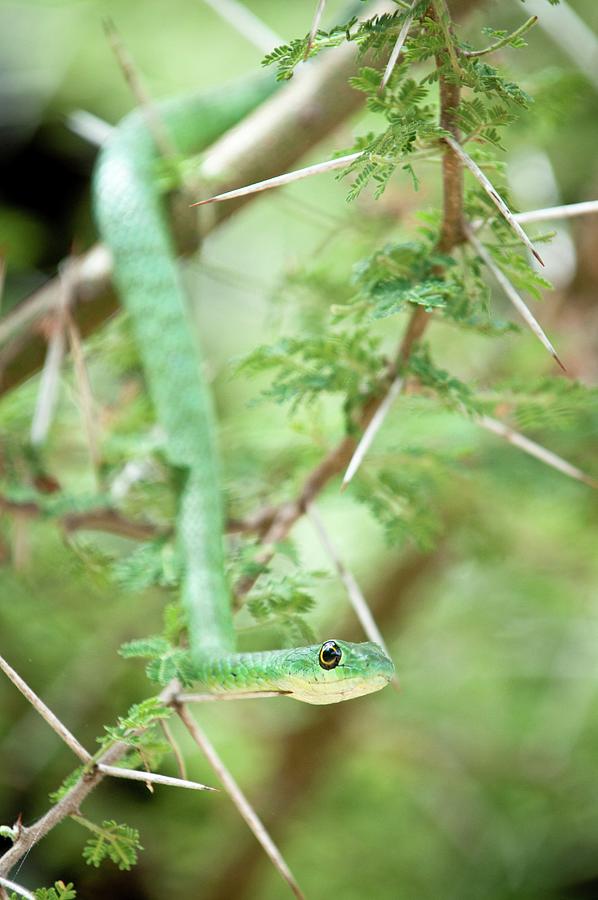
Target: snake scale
[133, 221]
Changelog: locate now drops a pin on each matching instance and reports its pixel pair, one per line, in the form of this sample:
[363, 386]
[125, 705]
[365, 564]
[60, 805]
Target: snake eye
[330, 655]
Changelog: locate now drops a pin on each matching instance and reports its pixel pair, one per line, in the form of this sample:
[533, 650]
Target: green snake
[133, 222]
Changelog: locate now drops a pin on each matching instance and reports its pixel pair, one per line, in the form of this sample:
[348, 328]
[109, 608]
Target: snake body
[133, 223]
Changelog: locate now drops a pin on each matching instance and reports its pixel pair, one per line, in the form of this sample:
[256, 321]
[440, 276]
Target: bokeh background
[480, 779]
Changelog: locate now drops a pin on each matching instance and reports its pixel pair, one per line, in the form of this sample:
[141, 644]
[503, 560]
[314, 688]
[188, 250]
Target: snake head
[335, 670]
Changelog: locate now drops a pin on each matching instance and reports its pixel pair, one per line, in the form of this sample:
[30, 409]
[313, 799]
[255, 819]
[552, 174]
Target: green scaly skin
[133, 223]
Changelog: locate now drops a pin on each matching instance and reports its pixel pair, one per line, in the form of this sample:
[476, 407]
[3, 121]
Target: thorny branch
[337, 460]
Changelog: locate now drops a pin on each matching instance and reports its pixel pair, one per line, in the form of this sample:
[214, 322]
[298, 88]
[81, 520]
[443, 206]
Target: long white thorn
[512, 294]
[396, 50]
[568, 211]
[493, 194]
[372, 430]
[280, 180]
[153, 778]
[534, 449]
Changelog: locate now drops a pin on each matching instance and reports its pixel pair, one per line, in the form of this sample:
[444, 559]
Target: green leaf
[60, 891]
[119, 843]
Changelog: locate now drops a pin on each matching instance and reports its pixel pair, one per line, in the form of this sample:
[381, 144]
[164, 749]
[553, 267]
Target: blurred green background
[479, 780]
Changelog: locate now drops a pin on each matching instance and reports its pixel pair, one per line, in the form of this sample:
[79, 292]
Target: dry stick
[493, 194]
[153, 778]
[354, 592]
[568, 211]
[314, 27]
[61, 730]
[396, 50]
[47, 394]
[244, 807]
[372, 429]
[318, 168]
[246, 23]
[534, 449]
[512, 294]
[5, 883]
[153, 121]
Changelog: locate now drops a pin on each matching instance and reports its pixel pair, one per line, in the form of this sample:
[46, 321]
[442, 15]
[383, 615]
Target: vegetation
[478, 560]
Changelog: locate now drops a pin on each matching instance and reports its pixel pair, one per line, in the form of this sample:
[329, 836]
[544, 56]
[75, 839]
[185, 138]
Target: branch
[239, 799]
[72, 800]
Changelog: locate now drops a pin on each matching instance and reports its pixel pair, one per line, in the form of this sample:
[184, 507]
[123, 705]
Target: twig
[443, 19]
[314, 27]
[358, 601]
[534, 449]
[493, 194]
[519, 32]
[246, 23]
[16, 888]
[61, 730]
[244, 807]
[372, 429]
[396, 50]
[279, 180]
[152, 778]
[512, 294]
[568, 211]
[240, 695]
[155, 125]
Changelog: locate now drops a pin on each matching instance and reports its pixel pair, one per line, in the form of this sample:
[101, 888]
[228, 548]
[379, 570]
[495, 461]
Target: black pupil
[330, 654]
